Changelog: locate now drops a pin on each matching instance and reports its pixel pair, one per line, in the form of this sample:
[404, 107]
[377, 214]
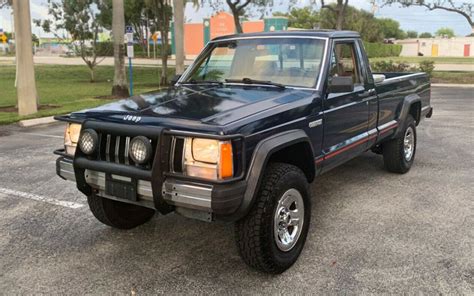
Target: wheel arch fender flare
[408, 101]
[261, 155]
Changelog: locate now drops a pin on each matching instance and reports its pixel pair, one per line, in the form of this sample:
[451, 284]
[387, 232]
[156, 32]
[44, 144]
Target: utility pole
[26, 84]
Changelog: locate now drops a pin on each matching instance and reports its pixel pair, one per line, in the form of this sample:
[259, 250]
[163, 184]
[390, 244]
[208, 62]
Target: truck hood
[210, 104]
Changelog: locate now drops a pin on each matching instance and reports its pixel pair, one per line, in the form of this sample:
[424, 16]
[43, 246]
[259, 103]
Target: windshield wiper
[254, 81]
[199, 81]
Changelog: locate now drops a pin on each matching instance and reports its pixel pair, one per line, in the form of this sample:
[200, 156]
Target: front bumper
[189, 198]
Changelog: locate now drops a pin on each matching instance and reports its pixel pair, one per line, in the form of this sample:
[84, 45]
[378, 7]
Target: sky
[413, 18]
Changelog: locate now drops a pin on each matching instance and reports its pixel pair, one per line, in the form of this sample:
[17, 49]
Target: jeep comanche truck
[241, 135]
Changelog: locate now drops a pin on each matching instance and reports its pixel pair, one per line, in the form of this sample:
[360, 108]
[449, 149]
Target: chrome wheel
[288, 220]
[409, 143]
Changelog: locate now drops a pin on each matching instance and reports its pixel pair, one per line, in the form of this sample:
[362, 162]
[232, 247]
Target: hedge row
[107, 49]
[374, 50]
[379, 50]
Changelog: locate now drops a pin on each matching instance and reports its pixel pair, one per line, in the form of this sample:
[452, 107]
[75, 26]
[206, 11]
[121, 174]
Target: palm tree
[178, 6]
[119, 87]
[25, 74]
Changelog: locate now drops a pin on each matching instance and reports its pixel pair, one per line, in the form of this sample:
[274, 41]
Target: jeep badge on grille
[132, 118]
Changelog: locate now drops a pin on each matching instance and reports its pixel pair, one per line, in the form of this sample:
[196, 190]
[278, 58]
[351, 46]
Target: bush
[389, 66]
[377, 50]
[106, 49]
[427, 66]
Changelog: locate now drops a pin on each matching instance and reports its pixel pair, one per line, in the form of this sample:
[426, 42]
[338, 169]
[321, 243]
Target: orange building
[196, 35]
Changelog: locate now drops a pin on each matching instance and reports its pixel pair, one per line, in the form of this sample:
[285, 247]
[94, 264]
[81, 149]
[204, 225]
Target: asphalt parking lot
[371, 232]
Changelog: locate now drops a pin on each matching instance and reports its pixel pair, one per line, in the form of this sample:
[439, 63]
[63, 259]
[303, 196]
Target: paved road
[372, 231]
[109, 61]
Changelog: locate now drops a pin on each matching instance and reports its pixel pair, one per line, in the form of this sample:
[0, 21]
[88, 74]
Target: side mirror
[378, 78]
[341, 84]
[175, 79]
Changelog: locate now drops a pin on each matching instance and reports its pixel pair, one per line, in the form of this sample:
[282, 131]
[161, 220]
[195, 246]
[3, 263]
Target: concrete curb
[452, 85]
[36, 121]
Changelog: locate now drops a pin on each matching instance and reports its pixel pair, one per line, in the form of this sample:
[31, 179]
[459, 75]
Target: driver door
[345, 114]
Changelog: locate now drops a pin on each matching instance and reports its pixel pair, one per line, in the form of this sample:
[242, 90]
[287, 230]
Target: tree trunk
[179, 35]
[91, 71]
[119, 87]
[340, 11]
[340, 19]
[164, 58]
[238, 26]
[26, 84]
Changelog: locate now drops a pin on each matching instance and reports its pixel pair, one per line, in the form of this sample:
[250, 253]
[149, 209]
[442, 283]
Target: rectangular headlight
[208, 159]
[71, 137]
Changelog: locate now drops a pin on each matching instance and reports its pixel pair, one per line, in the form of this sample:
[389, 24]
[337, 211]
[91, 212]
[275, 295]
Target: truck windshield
[285, 61]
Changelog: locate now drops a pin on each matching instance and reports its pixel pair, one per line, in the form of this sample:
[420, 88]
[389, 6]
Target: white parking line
[42, 135]
[67, 204]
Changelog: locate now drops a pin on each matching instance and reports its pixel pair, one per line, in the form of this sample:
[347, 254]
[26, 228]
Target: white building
[438, 47]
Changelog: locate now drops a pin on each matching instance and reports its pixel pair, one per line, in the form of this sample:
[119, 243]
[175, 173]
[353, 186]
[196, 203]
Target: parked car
[242, 134]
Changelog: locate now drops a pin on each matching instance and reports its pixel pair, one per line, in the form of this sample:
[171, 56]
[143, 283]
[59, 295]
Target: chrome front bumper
[191, 196]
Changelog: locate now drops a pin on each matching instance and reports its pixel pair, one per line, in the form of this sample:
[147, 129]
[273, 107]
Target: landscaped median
[63, 89]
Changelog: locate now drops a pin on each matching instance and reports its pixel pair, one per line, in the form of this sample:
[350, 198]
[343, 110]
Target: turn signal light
[226, 167]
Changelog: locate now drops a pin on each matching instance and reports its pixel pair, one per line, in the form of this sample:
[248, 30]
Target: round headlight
[89, 141]
[140, 149]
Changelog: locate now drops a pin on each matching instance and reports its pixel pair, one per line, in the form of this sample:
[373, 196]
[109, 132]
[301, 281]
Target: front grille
[114, 148]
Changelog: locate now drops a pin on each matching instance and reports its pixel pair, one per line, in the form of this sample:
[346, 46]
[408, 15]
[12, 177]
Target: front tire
[118, 214]
[271, 237]
[399, 153]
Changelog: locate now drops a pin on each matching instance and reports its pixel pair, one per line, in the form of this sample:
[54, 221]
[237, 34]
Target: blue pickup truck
[241, 135]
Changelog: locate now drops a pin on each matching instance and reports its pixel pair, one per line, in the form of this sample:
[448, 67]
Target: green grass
[69, 88]
[452, 77]
[437, 60]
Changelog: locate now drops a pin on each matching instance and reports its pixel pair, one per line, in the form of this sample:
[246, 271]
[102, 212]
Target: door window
[344, 62]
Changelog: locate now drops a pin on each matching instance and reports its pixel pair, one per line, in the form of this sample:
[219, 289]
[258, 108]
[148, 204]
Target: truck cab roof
[299, 33]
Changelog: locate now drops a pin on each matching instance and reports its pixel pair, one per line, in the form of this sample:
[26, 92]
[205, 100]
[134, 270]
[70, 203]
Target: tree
[464, 8]
[178, 13]
[119, 87]
[5, 3]
[304, 18]
[337, 10]
[425, 35]
[81, 20]
[34, 39]
[355, 19]
[390, 28]
[445, 32]
[25, 71]
[237, 7]
[363, 22]
[162, 11]
[137, 15]
[412, 34]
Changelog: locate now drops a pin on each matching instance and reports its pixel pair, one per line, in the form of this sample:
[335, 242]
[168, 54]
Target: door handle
[367, 94]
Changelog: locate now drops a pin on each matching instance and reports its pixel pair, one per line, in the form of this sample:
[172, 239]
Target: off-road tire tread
[114, 218]
[251, 244]
[393, 157]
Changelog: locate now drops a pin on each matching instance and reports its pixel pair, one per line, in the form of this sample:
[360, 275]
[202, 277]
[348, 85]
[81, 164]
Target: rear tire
[271, 237]
[118, 214]
[399, 153]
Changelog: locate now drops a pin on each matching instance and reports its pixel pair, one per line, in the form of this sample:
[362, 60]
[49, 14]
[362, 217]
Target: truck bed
[396, 88]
